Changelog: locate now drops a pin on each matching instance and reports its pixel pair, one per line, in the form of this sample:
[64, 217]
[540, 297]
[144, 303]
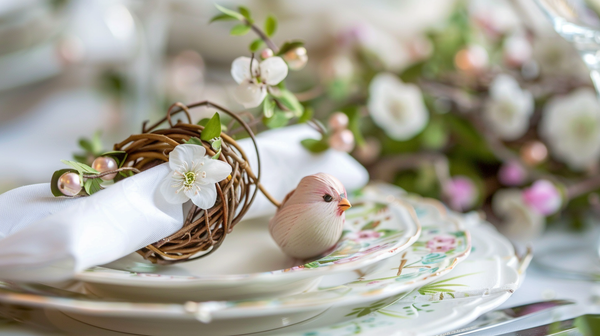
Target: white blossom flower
[508, 109]
[520, 222]
[193, 176]
[252, 88]
[397, 107]
[570, 126]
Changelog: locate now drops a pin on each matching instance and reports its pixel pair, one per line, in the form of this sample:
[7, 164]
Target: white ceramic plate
[249, 264]
[493, 262]
[483, 282]
[441, 247]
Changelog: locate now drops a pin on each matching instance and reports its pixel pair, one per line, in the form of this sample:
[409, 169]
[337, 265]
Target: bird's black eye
[328, 198]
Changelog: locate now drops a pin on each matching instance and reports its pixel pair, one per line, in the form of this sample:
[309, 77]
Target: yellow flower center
[189, 179]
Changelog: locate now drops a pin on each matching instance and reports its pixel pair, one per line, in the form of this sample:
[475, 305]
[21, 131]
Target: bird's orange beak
[344, 204]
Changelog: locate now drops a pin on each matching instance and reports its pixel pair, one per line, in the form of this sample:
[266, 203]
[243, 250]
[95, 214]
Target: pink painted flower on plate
[442, 244]
[363, 235]
[346, 260]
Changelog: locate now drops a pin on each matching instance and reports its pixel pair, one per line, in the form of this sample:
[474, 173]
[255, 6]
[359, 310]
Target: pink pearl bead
[266, 53]
[338, 121]
[296, 58]
[103, 164]
[342, 140]
[69, 184]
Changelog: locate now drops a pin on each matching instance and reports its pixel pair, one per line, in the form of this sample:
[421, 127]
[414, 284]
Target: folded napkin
[44, 238]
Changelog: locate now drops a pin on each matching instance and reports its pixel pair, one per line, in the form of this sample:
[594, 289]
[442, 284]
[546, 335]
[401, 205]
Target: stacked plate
[404, 264]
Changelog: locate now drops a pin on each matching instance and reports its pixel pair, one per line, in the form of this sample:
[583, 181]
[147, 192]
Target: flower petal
[216, 171]
[170, 193]
[273, 70]
[185, 153]
[240, 69]
[250, 94]
[206, 197]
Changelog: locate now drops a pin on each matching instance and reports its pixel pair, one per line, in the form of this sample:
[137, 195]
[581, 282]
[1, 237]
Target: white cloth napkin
[44, 238]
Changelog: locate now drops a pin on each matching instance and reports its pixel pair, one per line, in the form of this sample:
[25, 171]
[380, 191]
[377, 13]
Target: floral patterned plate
[443, 244]
[249, 264]
[484, 281]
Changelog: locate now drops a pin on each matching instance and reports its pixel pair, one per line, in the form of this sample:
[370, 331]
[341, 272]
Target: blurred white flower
[388, 48]
[253, 84]
[570, 126]
[517, 50]
[397, 107]
[520, 222]
[508, 109]
[496, 17]
[556, 56]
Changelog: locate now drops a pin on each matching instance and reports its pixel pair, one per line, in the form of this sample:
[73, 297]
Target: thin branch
[262, 36]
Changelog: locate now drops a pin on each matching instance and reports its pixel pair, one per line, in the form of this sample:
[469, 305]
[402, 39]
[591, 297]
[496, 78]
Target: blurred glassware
[55, 55]
[576, 21]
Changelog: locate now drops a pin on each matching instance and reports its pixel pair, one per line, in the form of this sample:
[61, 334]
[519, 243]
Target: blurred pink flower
[512, 173]
[461, 193]
[543, 196]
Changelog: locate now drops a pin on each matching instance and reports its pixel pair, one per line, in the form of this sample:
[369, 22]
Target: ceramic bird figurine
[311, 218]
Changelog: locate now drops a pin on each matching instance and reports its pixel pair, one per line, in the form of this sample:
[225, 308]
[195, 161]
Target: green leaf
[86, 145]
[289, 100]
[270, 25]
[246, 13]
[54, 181]
[289, 45]
[80, 158]
[216, 156]
[307, 115]
[222, 17]
[80, 167]
[194, 141]
[315, 146]
[268, 107]
[239, 30]
[216, 144]
[434, 136]
[91, 186]
[255, 45]
[279, 119]
[230, 12]
[122, 175]
[212, 128]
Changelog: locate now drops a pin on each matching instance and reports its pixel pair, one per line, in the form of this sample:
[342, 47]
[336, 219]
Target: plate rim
[124, 278]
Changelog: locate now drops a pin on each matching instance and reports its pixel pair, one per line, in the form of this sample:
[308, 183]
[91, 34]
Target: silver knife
[503, 316]
[584, 325]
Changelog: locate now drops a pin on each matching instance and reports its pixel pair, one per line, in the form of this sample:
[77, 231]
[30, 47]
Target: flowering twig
[108, 172]
[583, 187]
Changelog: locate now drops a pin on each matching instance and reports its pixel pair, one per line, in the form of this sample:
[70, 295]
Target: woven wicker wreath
[202, 230]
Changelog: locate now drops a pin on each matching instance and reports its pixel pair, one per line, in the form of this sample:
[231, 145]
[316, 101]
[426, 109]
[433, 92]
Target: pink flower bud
[512, 173]
[461, 193]
[543, 196]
